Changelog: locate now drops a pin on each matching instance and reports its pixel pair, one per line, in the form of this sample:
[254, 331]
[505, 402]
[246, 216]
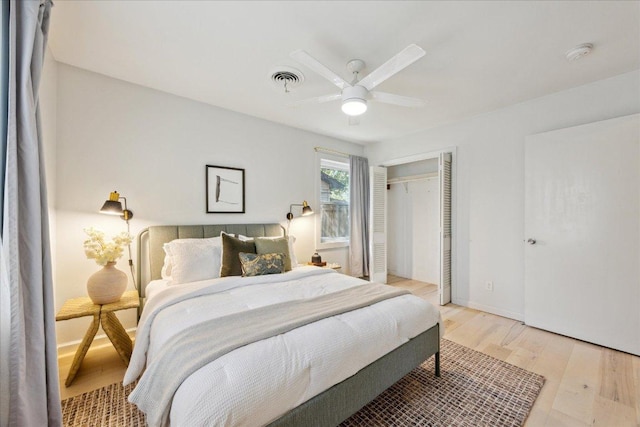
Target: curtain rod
[328, 150]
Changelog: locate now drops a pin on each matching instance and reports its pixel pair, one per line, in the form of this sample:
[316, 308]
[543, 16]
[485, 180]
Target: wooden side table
[102, 314]
[334, 266]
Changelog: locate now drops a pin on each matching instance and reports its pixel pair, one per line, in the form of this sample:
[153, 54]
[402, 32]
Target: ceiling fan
[355, 95]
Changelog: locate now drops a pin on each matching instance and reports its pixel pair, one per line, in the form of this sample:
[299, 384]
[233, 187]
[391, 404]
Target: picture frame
[225, 189]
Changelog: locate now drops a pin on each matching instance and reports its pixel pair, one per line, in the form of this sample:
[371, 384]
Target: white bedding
[156, 286]
[258, 383]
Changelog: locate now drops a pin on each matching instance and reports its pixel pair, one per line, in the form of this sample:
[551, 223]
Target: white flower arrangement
[95, 247]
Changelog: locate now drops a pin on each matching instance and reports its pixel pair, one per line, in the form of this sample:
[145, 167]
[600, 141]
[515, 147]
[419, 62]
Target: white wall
[425, 197]
[413, 224]
[396, 231]
[413, 227]
[489, 221]
[413, 168]
[153, 147]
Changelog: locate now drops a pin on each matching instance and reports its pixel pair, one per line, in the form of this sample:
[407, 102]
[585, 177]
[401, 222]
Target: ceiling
[480, 55]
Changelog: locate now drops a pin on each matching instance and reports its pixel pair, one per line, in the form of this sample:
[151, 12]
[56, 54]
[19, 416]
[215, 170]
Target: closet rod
[411, 178]
[330, 151]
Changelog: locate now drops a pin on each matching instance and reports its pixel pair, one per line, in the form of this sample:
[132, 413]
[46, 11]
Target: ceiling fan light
[354, 106]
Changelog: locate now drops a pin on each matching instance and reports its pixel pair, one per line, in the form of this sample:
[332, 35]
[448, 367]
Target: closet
[413, 221]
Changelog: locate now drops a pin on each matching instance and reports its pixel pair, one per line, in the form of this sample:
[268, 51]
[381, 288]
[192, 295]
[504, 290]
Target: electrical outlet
[489, 286]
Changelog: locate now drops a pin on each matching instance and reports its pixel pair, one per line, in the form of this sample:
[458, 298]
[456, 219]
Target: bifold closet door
[378, 225]
[444, 173]
[582, 232]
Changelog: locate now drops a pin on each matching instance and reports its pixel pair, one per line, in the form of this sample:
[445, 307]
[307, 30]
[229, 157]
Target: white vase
[107, 285]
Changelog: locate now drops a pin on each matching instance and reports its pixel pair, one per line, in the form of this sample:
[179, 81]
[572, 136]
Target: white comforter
[258, 383]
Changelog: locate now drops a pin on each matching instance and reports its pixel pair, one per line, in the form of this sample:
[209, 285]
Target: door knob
[531, 241]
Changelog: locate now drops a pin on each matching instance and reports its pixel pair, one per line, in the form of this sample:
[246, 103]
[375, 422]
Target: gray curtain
[4, 88]
[5, 317]
[359, 205]
[34, 398]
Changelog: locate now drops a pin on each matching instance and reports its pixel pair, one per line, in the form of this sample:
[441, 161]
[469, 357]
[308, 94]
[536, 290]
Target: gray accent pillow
[259, 265]
[265, 245]
[231, 248]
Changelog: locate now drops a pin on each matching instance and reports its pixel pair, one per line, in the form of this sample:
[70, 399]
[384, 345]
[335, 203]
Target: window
[334, 202]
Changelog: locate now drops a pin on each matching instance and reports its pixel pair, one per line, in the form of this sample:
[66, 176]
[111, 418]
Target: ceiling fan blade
[408, 56]
[316, 100]
[403, 101]
[304, 58]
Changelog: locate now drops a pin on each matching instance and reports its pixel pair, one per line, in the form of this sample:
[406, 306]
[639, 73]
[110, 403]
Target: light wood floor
[586, 385]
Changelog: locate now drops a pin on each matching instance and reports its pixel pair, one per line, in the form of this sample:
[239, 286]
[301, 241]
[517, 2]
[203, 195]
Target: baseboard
[99, 341]
[489, 309]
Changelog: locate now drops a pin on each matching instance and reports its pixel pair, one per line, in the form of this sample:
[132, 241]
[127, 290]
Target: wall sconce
[306, 209]
[114, 207]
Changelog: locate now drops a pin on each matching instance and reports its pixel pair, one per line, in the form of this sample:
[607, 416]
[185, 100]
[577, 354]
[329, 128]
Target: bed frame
[336, 404]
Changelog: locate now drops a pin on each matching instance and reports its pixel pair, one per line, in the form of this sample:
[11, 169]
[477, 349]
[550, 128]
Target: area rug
[474, 390]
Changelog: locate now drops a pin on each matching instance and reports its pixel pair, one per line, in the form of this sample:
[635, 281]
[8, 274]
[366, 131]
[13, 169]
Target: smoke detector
[578, 52]
[286, 77]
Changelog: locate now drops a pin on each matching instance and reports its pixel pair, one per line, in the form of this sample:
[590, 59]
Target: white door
[444, 173]
[582, 232]
[378, 224]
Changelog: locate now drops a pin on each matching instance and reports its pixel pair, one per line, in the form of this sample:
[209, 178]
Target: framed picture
[225, 189]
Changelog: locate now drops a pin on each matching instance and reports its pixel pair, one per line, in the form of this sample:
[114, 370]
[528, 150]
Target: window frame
[318, 222]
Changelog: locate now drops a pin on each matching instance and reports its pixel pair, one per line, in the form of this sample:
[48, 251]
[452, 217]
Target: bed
[334, 379]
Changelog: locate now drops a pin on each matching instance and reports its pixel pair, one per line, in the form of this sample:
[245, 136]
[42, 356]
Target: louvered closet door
[378, 224]
[445, 228]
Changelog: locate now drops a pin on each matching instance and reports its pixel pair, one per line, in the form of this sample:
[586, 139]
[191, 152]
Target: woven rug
[474, 390]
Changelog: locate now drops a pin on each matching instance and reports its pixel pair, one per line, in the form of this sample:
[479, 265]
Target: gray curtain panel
[359, 205]
[34, 398]
[4, 89]
[5, 315]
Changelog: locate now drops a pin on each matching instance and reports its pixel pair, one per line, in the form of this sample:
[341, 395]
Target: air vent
[286, 77]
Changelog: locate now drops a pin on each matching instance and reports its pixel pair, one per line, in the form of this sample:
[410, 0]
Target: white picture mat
[225, 190]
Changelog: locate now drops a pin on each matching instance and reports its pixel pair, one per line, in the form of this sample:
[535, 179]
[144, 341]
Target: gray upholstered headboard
[158, 235]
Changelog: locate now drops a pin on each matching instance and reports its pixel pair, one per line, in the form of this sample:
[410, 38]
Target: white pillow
[241, 237]
[165, 273]
[292, 252]
[193, 259]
